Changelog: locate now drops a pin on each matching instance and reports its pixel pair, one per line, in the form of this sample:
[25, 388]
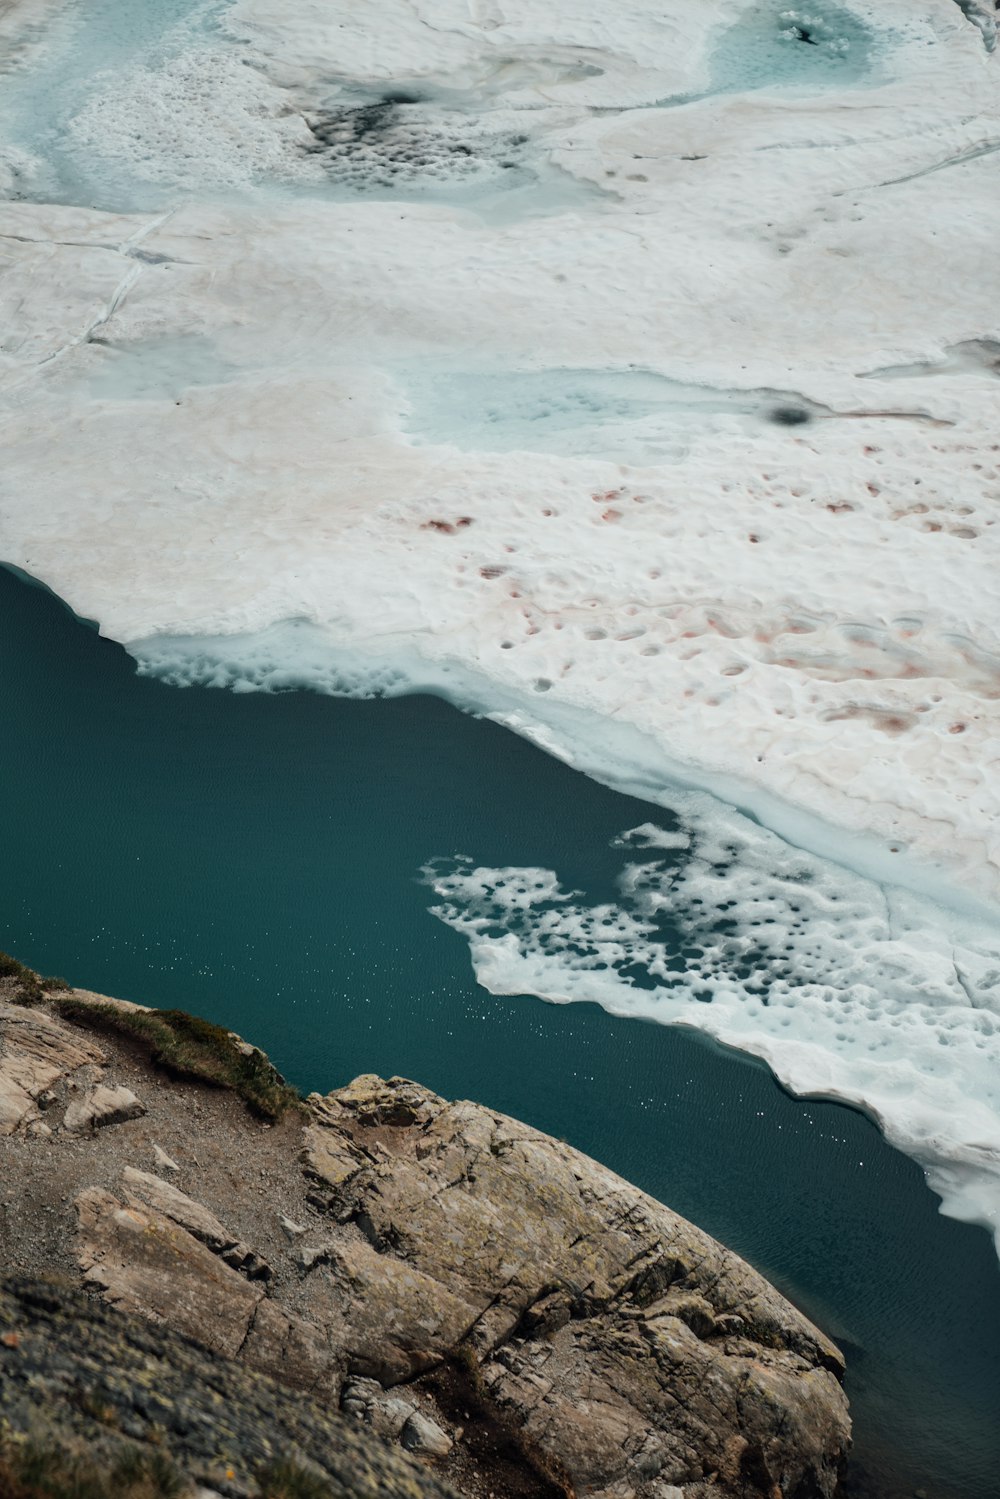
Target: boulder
[425, 1437]
[142, 1189]
[36, 1051]
[109, 1388]
[144, 1263]
[100, 1107]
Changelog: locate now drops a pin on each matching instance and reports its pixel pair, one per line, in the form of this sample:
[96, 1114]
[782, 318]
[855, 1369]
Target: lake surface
[257, 859]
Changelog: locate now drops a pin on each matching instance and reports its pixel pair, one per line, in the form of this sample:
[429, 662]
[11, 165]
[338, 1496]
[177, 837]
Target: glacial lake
[256, 859]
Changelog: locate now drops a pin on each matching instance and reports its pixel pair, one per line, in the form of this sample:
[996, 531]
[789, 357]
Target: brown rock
[602, 1323]
[510, 1284]
[36, 1051]
[143, 1262]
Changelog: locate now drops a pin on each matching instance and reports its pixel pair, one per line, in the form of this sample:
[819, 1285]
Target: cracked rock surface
[519, 1318]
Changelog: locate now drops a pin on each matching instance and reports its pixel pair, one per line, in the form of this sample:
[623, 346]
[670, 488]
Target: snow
[629, 376]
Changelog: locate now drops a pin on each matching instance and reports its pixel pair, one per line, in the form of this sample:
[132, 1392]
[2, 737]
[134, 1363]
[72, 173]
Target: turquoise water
[807, 46]
[146, 145]
[256, 859]
[625, 414]
[86, 47]
[805, 49]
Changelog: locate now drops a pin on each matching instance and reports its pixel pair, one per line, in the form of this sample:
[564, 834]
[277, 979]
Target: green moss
[181, 1044]
[187, 1047]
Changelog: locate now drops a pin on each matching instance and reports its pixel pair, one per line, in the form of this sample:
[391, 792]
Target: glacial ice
[467, 344]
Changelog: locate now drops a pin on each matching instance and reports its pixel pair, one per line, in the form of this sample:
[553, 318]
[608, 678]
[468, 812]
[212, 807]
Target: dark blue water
[255, 859]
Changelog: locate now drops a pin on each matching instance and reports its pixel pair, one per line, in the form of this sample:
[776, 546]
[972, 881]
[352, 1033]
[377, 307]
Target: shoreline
[296, 655]
[962, 1166]
[158, 1136]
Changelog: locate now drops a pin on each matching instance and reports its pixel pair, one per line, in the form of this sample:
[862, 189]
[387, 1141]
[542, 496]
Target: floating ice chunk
[648, 835]
[848, 990]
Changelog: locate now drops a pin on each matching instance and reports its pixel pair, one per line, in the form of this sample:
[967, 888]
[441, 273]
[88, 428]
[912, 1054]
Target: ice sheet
[628, 375]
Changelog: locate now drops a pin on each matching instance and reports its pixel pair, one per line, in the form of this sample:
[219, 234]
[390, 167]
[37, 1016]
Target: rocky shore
[385, 1292]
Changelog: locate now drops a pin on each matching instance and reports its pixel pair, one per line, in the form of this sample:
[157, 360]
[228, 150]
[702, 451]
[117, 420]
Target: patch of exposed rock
[507, 1310]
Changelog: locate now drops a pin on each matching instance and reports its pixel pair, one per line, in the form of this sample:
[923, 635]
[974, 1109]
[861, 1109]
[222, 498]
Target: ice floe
[848, 989]
[630, 375]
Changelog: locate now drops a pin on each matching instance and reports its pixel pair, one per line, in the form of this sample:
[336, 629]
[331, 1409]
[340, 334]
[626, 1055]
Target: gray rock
[425, 1437]
[386, 1413]
[473, 1269]
[246, 1260]
[595, 1316]
[144, 1263]
[143, 1189]
[311, 1255]
[100, 1107]
[357, 1395]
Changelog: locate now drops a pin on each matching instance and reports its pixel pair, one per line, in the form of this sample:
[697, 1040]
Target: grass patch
[181, 1044]
[40, 1470]
[187, 1047]
[289, 1480]
[19, 984]
[22, 985]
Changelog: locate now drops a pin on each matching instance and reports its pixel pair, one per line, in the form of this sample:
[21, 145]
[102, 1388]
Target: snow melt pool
[776, 45]
[629, 415]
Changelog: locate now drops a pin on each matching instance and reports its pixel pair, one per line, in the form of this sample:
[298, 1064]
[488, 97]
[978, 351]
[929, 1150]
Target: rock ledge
[508, 1311]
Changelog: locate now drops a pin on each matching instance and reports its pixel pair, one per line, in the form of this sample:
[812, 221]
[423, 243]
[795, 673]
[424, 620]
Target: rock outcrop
[512, 1313]
[36, 1052]
[81, 1380]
